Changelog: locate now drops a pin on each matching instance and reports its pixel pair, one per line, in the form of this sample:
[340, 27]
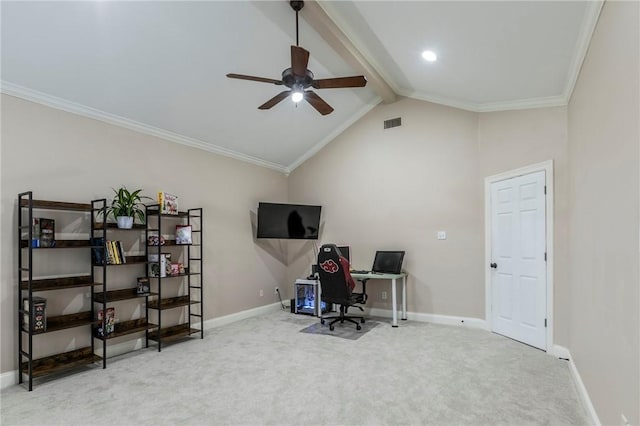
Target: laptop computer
[388, 262]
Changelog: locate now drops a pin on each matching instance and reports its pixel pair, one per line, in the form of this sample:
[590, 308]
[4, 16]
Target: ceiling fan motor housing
[292, 80]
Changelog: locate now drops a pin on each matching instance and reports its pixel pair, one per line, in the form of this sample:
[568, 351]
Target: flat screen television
[288, 221]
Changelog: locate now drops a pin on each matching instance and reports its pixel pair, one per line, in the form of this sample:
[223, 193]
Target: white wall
[62, 156]
[512, 139]
[394, 189]
[604, 135]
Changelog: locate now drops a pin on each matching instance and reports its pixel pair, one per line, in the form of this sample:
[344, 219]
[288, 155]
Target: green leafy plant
[127, 203]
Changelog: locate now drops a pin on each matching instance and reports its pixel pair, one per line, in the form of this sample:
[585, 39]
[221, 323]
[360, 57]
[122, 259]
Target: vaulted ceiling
[160, 67]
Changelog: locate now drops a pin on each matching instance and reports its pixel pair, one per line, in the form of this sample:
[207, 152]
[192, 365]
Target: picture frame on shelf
[143, 286]
[183, 234]
[168, 203]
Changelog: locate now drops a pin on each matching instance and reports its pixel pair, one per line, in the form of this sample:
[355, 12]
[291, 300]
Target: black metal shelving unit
[193, 295]
[101, 228]
[28, 365]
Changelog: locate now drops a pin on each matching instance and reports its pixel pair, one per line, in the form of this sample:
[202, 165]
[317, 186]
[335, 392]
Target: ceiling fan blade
[273, 101]
[336, 83]
[252, 78]
[299, 60]
[318, 103]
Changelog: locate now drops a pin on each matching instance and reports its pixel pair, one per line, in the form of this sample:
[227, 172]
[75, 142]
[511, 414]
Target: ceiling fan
[299, 79]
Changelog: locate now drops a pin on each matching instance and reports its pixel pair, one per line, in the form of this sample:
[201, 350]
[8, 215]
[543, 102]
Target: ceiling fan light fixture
[296, 96]
[429, 56]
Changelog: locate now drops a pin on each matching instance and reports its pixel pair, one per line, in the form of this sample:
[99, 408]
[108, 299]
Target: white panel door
[518, 245]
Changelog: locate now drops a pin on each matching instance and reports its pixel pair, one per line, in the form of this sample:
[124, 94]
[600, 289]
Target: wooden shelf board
[173, 333]
[154, 212]
[116, 295]
[178, 275]
[169, 243]
[56, 205]
[99, 226]
[129, 327]
[58, 283]
[61, 362]
[62, 322]
[172, 302]
[60, 244]
[131, 260]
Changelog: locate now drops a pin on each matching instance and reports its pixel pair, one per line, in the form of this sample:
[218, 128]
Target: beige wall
[394, 189]
[62, 156]
[604, 137]
[512, 139]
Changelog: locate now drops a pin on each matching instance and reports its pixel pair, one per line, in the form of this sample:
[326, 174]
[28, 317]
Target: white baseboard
[228, 319]
[562, 352]
[432, 318]
[10, 378]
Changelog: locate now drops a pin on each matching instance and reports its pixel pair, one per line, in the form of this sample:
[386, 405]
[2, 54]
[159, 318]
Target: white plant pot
[125, 222]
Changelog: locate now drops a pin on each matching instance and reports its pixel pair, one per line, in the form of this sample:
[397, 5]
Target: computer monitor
[388, 262]
[345, 251]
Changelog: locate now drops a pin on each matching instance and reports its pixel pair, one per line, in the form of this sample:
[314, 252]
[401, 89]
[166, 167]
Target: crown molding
[96, 114]
[545, 102]
[592, 15]
[331, 136]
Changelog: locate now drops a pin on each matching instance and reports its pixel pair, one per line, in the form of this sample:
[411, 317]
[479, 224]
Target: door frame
[547, 167]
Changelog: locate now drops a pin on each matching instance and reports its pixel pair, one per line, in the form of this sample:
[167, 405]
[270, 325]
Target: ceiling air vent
[394, 122]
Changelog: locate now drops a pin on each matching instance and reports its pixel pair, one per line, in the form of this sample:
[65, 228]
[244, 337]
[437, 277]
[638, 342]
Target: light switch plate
[442, 235]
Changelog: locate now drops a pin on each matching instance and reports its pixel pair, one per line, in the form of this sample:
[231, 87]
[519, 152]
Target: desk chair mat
[345, 331]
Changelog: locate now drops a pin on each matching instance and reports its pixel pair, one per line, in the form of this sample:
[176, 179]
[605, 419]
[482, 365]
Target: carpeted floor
[265, 371]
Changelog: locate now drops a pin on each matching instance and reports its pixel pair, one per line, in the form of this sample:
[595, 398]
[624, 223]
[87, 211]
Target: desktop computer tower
[307, 299]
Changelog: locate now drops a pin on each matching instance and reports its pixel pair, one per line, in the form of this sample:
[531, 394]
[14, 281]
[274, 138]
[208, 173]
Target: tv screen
[288, 221]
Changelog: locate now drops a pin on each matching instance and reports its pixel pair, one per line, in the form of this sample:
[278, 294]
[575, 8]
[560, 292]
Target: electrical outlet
[442, 235]
[276, 290]
[261, 292]
[384, 295]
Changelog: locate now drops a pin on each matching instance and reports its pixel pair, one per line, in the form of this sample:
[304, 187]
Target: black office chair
[334, 288]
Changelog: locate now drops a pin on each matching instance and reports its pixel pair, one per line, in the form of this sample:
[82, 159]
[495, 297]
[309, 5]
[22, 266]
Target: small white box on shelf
[158, 266]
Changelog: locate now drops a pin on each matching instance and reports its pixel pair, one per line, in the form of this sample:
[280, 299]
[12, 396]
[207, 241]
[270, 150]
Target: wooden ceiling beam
[315, 15]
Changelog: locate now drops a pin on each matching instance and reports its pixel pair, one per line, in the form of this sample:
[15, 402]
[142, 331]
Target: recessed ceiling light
[429, 55]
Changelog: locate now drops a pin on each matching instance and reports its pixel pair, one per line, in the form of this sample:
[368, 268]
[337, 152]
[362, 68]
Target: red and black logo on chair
[329, 266]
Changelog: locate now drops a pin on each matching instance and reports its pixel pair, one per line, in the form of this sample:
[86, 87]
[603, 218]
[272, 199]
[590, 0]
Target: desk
[393, 278]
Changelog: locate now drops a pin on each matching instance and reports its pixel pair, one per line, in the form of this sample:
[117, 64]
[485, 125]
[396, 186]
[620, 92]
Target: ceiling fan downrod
[297, 6]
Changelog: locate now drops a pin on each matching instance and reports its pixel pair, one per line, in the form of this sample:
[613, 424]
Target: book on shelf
[42, 232]
[168, 203]
[97, 250]
[183, 234]
[143, 288]
[175, 269]
[35, 232]
[155, 240]
[47, 232]
[158, 264]
[37, 311]
[107, 322]
[113, 252]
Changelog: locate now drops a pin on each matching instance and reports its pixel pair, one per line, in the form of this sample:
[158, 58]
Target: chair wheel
[322, 321]
[331, 327]
[358, 327]
[362, 320]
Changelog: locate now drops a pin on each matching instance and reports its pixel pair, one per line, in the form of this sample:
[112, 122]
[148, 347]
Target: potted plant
[126, 206]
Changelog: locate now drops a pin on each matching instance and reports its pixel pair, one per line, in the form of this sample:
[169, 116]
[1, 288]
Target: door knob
[494, 265]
